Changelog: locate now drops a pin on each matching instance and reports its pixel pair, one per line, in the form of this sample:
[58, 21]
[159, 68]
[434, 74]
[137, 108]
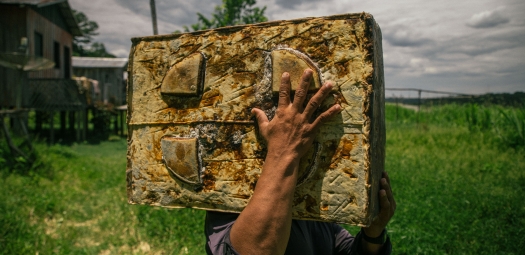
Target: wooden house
[111, 74]
[42, 30]
[107, 78]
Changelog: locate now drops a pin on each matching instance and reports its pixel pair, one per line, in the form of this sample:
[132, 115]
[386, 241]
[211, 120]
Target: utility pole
[154, 16]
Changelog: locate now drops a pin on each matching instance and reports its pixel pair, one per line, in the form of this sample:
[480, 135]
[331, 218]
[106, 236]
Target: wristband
[381, 239]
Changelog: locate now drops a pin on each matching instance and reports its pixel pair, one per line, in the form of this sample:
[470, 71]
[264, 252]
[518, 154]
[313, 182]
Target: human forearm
[264, 225]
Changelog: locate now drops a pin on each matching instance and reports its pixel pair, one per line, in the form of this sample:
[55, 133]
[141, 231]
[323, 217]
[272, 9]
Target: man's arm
[388, 207]
[264, 225]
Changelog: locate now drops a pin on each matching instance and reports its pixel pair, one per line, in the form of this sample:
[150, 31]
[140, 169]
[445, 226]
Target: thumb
[262, 119]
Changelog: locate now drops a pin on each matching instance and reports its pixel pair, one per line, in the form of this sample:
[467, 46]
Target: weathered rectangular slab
[193, 143]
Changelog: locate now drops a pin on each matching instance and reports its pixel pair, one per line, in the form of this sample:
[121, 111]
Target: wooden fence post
[418, 104]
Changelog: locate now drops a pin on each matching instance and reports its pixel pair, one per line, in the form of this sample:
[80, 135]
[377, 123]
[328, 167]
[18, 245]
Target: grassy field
[459, 191]
[458, 178]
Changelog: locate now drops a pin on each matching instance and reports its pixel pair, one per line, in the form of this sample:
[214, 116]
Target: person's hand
[262, 227]
[292, 130]
[388, 207]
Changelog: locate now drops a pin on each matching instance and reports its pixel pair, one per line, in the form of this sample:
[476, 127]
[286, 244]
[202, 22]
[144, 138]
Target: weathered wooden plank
[339, 177]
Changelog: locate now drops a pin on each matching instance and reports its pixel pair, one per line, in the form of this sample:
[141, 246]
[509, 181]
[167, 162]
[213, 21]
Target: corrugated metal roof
[65, 9]
[90, 62]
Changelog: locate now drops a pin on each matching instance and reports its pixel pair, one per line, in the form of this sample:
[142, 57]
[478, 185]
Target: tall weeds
[502, 125]
[478, 118]
[511, 127]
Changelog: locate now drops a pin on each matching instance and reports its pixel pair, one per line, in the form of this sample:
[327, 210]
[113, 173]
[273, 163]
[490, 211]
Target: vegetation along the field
[457, 173]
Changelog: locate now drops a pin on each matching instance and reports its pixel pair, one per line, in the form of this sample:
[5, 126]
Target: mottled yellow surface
[237, 77]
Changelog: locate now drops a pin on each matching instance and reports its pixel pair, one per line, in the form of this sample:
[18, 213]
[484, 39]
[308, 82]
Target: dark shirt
[306, 237]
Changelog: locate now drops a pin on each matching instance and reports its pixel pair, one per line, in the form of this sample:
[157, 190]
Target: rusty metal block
[193, 142]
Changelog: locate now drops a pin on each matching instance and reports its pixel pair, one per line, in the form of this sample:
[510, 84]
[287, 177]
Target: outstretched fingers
[284, 90]
[302, 90]
[316, 101]
[326, 115]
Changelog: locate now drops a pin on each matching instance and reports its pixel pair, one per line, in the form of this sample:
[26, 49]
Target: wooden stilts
[62, 122]
[121, 118]
[79, 125]
[15, 150]
[52, 128]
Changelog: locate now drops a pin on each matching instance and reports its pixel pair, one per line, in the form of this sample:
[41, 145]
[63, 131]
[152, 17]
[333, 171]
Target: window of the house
[67, 63]
[56, 52]
[39, 45]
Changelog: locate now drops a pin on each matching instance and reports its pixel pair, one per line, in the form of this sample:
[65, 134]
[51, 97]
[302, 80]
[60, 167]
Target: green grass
[74, 202]
[458, 184]
[456, 194]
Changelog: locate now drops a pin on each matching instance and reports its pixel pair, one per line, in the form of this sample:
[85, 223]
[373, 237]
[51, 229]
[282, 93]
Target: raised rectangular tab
[193, 141]
[185, 77]
[293, 62]
[181, 158]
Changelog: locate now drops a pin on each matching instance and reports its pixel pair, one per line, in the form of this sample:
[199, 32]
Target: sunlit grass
[77, 205]
[456, 193]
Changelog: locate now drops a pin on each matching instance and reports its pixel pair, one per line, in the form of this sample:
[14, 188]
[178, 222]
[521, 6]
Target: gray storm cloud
[294, 4]
[177, 12]
[488, 19]
[405, 37]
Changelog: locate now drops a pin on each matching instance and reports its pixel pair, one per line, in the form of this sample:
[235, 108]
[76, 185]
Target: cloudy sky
[464, 46]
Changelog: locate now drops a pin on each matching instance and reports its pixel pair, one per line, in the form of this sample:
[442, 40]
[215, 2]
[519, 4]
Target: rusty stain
[214, 93]
[339, 98]
[349, 171]
[214, 114]
[208, 178]
[310, 204]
